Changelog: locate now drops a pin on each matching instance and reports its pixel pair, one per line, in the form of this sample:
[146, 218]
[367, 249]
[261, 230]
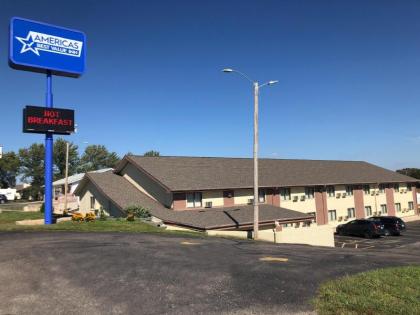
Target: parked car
[3, 198]
[362, 227]
[392, 225]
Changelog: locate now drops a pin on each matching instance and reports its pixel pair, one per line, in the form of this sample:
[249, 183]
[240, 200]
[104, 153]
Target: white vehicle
[10, 193]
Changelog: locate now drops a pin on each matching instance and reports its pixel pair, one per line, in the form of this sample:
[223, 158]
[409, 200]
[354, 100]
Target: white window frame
[351, 211]
[330, 212]
[309, 192]
[92, 202]
[384, 206]
[410, 205]
[196, 201]
[285, 194]
[366, 189]
[368, 211]
[398, 207]
[331, 191]
[349, 190]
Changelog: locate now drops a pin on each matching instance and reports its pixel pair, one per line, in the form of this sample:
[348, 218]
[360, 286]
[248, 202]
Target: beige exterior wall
[403, 196]
[100, 201]
[214, 196]
[340, 202]
[316, 235]
[241, 196]
[311, 235]
[295, 203]
[146, 185]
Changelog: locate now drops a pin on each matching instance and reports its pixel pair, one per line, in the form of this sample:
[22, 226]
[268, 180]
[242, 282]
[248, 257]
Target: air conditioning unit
[297, 224]
[208, 204]
[302, 198]
[375, 213]
[250, 201]
[379, 213]
[338, 195]
[295, 198]
[372, 193]
[344, 195]
[377, 193]
[346, 218]
[340, 218]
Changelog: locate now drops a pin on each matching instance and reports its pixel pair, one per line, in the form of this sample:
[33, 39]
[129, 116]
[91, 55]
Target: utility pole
[256, 194]
[255, 153]
[67, 175]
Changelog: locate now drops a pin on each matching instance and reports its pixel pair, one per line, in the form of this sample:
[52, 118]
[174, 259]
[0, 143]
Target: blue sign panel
[41, 47]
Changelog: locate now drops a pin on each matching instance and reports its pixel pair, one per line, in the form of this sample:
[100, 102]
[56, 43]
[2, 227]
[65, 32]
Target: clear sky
[348, 71]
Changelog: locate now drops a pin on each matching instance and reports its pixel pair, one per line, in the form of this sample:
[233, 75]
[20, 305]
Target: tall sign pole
[49, 145]
[53, 50]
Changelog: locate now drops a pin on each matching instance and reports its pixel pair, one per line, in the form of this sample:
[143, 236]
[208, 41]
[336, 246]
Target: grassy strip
[384, 291]
[8, 219]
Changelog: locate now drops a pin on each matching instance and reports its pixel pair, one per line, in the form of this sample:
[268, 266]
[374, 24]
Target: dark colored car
[392, 225]
[3, 199]
[362, 227]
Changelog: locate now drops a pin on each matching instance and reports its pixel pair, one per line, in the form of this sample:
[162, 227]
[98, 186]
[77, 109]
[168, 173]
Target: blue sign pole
[48, 157]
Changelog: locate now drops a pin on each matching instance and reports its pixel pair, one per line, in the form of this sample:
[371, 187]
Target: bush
[42, 209]
[90, 217]
[130, 217]
[102, 215]
[137, 211]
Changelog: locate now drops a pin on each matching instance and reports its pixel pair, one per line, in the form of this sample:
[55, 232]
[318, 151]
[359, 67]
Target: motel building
[301, 201]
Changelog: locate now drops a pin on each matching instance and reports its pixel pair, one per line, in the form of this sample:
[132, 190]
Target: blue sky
[348, 71]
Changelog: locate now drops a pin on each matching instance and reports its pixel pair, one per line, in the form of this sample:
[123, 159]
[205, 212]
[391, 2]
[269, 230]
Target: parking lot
[410, 236]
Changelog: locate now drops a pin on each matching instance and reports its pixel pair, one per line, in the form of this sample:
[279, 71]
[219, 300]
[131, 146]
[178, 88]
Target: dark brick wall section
[180, 201]
[321, 208]
[389, 193]
[359, 204]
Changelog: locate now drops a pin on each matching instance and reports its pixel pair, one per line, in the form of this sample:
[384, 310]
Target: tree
[9, 168]
[413, 172]
[152, 153]
[96, 157]
[60, 158]
[32, 166]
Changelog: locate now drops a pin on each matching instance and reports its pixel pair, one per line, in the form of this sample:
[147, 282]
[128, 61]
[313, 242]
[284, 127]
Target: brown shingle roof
[201, 173]
[122, 193]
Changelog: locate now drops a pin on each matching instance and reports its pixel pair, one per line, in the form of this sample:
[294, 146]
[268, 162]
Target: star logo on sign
[27, 44]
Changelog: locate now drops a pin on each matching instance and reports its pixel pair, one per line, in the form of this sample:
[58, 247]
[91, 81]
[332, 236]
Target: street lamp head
[272, 82]
[227, 70]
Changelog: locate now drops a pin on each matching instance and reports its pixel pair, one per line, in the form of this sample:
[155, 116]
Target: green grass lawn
[8, 219]
[384, 291]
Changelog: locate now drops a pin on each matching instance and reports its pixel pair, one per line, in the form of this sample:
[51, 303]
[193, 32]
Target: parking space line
[274, 259]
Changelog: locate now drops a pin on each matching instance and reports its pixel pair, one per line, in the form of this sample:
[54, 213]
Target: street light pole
[255, 153]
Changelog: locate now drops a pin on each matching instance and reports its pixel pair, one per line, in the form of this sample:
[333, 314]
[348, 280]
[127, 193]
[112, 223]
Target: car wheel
[341, 232]
[387, 233]
[367, 235]
[2, 201]
[397, 234]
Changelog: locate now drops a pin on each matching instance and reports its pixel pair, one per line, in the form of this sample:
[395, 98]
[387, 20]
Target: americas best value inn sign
[43, 47]
[41, 120]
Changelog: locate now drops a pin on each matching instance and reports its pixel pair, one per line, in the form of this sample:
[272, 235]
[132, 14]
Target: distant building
[73, 181]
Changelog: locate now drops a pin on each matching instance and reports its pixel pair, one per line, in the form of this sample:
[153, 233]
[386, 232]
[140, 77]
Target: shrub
[78, 217]
[90, 217]
[102, 215]
[42, 209]
[138, 211]
[130, 216]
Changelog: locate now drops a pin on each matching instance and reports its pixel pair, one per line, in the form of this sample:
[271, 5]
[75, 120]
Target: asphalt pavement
[128, 273]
